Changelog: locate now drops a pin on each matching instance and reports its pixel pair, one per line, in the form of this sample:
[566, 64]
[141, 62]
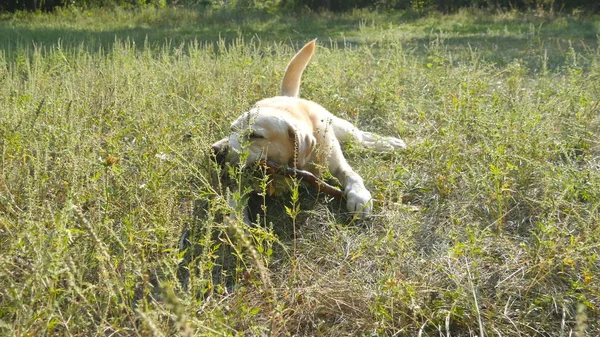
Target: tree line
[591, 6]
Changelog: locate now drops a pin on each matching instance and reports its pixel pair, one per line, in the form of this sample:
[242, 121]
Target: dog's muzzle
[220, 151]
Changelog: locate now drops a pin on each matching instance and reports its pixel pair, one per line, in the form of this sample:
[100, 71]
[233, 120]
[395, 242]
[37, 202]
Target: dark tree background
[592, 6]
[448, 5]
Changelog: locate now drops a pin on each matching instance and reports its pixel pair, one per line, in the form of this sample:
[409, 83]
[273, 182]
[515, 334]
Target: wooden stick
[319, 184]
[220, 150]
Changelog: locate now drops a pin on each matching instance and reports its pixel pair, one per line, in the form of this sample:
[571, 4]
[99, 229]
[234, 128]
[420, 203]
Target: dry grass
[487, 225]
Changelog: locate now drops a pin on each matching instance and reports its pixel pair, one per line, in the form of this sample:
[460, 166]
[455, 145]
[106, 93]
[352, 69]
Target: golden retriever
[302, 134]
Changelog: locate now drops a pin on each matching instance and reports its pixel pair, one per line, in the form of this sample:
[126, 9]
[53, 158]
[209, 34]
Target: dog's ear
[304, 144]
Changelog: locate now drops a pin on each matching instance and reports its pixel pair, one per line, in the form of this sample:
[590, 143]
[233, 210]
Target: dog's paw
[382, 144]
[359, 201]
[395, 143]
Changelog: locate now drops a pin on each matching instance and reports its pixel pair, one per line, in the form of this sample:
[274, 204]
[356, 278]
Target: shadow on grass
[498, 40]
[551, 54]
[502, 39]
[268, 213]
[176, 27]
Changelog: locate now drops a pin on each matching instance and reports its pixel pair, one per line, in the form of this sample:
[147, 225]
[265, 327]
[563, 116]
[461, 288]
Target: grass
[487, 225]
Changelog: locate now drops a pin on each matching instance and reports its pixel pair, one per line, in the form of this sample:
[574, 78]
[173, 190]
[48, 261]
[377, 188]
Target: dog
[302, 134]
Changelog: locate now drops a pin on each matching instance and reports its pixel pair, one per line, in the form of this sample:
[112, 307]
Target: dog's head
[277, 129]
[270, 133]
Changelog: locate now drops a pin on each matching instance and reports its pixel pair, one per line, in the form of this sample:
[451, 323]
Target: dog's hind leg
[345, 131]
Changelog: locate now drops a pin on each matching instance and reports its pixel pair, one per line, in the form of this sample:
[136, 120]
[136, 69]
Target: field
[488, 225]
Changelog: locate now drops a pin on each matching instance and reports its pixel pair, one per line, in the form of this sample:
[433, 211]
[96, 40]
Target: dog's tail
[290, 86]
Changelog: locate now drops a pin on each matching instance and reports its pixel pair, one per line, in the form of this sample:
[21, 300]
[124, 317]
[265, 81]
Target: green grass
[488, 224]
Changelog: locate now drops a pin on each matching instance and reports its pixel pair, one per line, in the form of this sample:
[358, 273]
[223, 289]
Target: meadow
[488, 225]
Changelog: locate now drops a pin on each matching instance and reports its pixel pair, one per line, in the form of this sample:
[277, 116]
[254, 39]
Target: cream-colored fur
[302, 134]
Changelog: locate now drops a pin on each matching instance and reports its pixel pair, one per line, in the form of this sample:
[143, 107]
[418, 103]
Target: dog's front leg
[358, 198]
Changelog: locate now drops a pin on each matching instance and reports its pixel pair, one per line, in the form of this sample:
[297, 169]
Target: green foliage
[273, 6]
[487, 224]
